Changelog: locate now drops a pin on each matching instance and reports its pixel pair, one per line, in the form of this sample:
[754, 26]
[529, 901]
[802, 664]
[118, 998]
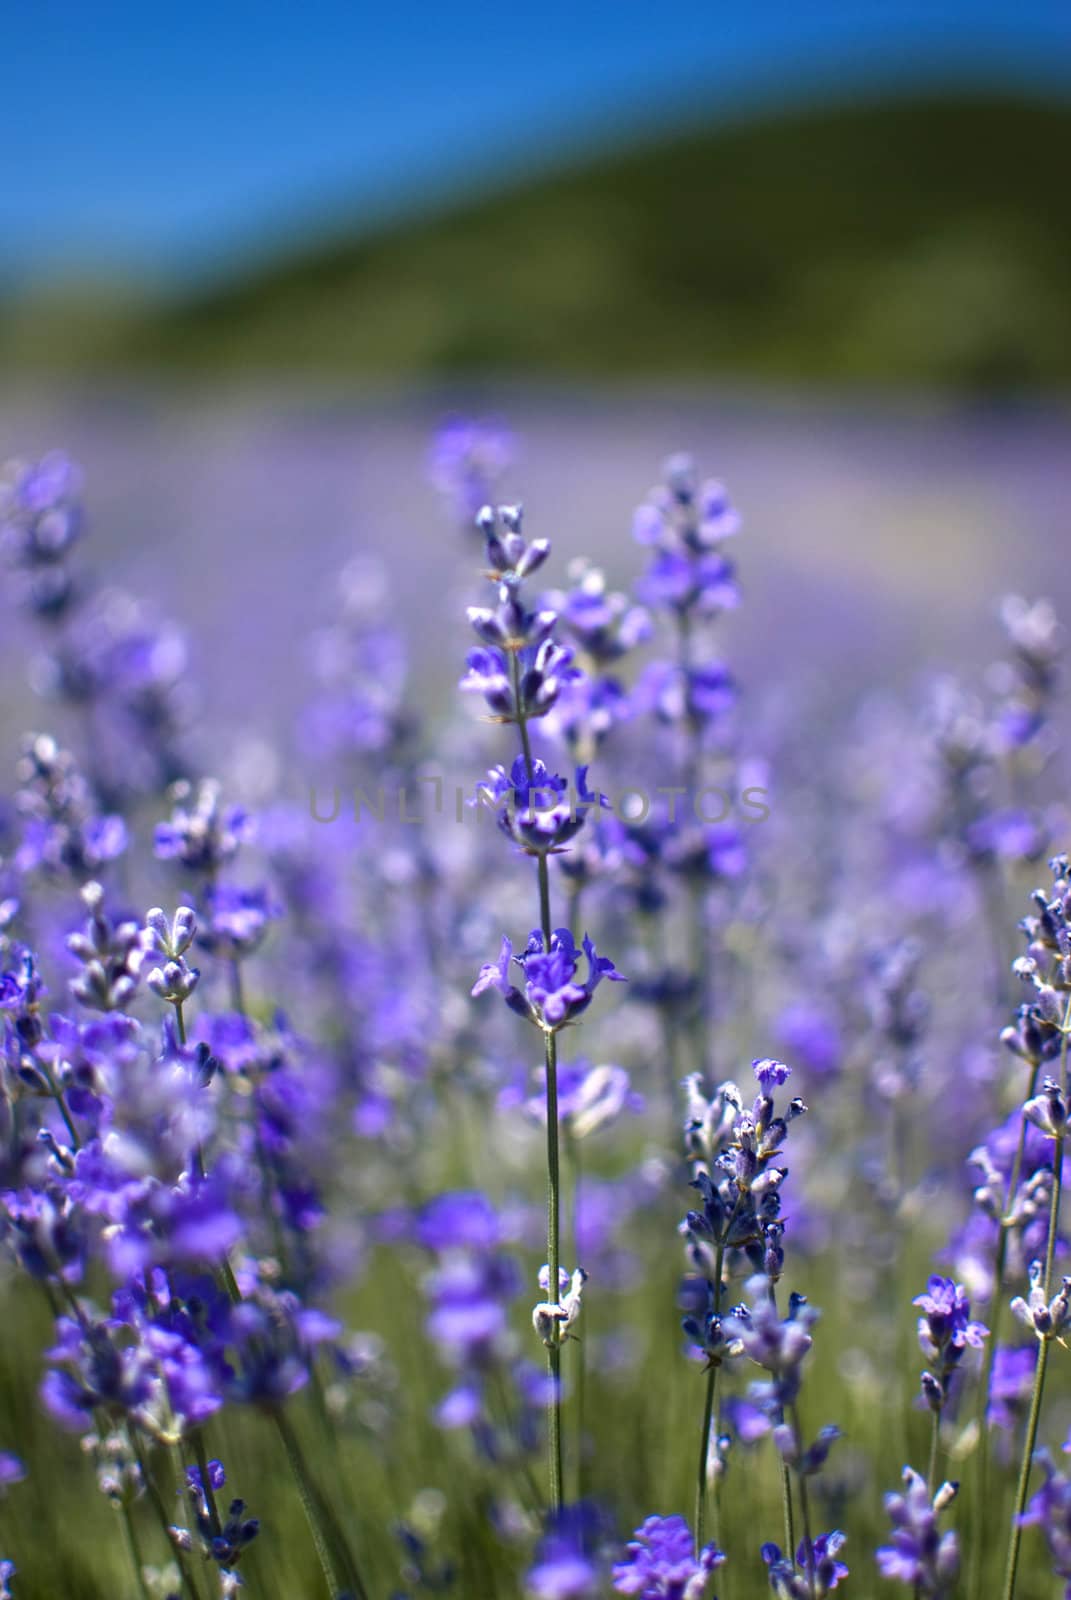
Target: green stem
[554, 1408]
[61, 1105]
[198, 1151]
[1029, 1445]
[206, 1483]
[805, 1510]
[708, 1404]
[982, 1477]
[320, 1521]
[544, 899]
[130, 1539]
[162, 1518]
[554, 1412]
[787, 1514]
[572, 1148]
[935, 1445]
[704, 1456]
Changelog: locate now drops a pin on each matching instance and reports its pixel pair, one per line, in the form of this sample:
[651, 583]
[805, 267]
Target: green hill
[924, 241]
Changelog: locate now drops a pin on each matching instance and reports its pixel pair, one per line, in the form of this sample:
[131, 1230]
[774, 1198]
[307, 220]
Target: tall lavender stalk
[689, 580]
[1046, 1314]
[1047, 967]
[519, 671]
[734, 1150]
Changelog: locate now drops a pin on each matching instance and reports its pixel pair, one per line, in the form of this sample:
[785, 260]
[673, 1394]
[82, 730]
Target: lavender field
[534, 1041]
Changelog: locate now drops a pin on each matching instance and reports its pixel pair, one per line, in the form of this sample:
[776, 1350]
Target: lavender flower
[662, 1563]
[112, 956]
[603, 622]
[539, 811]
[223, 1541]
[1010, 1385]
[945, 1332]
[566, 1565]
[1048, 1110]
[552, 996]
[817, 1570]
[919, 1553]
[1050, 1510]
[542, 670]
[466, 462]
[589, 1097]
[201, 834]
[1044, 1316]
[41, 521]
[235, 921]
[64, 834]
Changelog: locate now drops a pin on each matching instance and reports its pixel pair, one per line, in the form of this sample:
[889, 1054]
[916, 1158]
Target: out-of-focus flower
[662, 1562]
[919, 1553]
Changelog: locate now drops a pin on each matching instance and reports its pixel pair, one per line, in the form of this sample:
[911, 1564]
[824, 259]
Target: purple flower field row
[639, 1172]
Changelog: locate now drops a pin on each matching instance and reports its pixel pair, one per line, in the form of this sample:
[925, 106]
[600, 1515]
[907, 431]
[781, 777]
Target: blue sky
[168, 139]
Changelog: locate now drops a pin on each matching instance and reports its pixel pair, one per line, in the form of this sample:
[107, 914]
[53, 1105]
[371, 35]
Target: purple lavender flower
[817, 1570]
[64, 834]
[542, 670]
[1046, 1316]
[662, 1563]
[461, 1219]
[92, 1372]
[604, 623]
[589, 1097]
[224, 1540]
[466, 462]
[565, 1565]
[111, 953]
[780, 1345]
[46, 1231]
[1010, 1385]
[919, 1553]
[1050, 1510]
[201, 834]
[217, 1477]
[945, 1331]
[235, 921]
[685, 523]
[1048, 1110]
[1028, 686]
[41, 521]
[539, 811]
[552, 996]
[469, 1295]
[811, 1033]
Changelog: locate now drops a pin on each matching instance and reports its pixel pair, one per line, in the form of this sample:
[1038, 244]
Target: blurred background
[250, 259]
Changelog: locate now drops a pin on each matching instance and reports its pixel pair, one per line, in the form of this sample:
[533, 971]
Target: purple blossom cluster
[269, 1172]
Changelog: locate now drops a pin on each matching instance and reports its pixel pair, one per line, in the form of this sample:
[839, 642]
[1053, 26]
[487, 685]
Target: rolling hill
[923, 241]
